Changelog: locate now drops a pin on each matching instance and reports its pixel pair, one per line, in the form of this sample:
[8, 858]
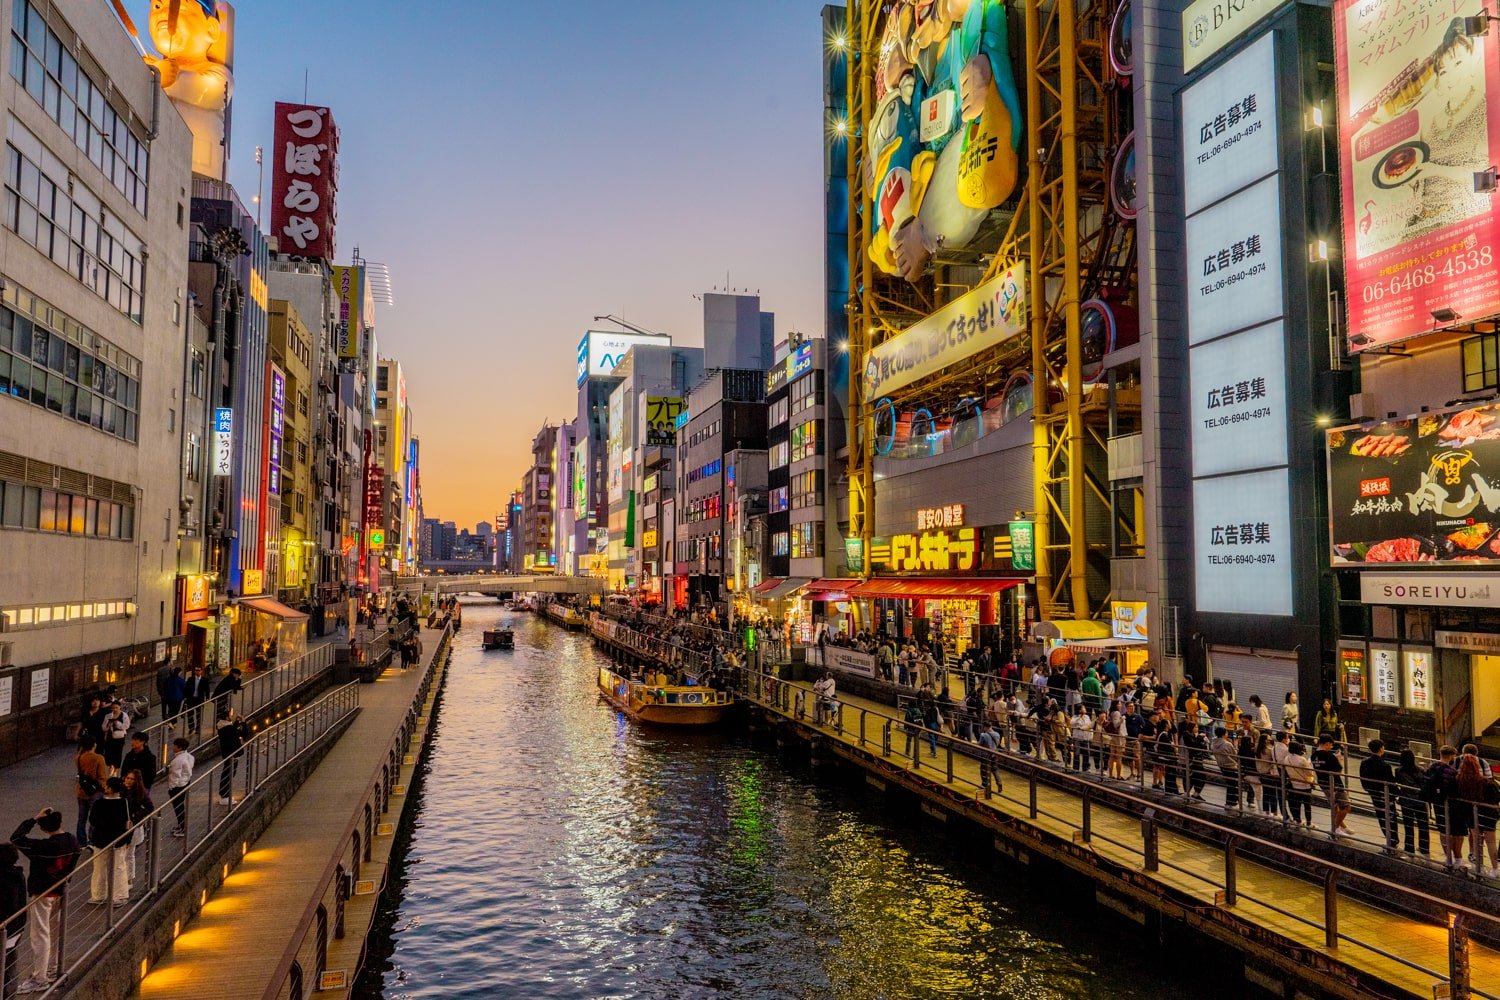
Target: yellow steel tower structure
[1073, 247]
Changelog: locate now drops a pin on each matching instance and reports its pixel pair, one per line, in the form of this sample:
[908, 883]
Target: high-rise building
[292, 352]
[92, 342]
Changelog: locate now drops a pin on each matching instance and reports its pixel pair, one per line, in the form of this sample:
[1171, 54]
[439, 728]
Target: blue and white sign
[223, 441]
[601, 352]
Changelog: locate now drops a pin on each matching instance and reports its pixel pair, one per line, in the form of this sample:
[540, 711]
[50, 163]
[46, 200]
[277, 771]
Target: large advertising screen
[600, 353]
[1424, 489]
[1417, 100]
[942, 145]
[1239, 402]
[1229, 134]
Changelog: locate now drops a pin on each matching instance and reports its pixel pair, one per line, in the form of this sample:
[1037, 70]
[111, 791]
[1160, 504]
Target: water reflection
[563, 852]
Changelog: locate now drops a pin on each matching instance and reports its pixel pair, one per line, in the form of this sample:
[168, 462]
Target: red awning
[932, 586]
[834, 585]
[770, 584]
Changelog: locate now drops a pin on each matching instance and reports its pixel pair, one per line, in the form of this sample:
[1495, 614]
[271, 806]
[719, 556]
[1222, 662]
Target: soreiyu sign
[1234, 263]
[1239, 401]
[1229, 126]
[1454, 590]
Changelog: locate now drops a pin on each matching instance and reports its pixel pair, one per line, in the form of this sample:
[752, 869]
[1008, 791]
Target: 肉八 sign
[1425, 489]
[1416, 669]
[1242, 543]
[1209, 25]
[1239, 401]
[1418, 115]
[1229, 126]
[979, 319]
[1128, 620]
[1234, 264]
[1458, 590]
[223, 441]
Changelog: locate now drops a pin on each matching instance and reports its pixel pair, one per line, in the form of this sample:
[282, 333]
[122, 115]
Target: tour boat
[499, 638]
[664, 704]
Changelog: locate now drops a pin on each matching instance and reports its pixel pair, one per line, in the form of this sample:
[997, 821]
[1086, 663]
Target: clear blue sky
[524, 166]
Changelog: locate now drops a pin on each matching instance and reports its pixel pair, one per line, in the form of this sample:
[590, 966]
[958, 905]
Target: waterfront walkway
[1410, 953]
[232, 949]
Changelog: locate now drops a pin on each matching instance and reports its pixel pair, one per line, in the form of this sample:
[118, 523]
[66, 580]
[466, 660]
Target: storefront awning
[271, 606]
[932, 586]
[1072, 629]
[833, 585]
[1104, 645]
[776, 588]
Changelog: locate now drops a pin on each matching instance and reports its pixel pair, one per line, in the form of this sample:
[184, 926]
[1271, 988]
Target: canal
[559, 851]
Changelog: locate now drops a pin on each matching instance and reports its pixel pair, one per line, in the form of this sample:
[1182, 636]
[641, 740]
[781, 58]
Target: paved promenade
[232, 948]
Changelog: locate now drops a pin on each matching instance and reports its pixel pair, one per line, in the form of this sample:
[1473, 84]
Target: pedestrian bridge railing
[116, 884]
[1216, 853]
[262, 689]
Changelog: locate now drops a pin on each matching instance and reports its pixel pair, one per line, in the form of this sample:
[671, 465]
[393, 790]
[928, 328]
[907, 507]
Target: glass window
[48, 520]
[31, 505]
[91, 517]
[76, 518]
[1481, 362]
[10, 513]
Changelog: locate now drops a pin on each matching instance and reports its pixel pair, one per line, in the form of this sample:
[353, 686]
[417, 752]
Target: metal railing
[114, 884]
[691, 661]
[874, 730]
[196, 724]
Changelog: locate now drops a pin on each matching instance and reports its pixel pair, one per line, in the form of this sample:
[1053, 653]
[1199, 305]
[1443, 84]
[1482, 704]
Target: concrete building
[292, 351]
[537, 487]
[397, 457]
[93, 332]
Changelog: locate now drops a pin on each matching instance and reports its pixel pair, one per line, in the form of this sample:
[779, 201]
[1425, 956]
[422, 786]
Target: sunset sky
[573, 160]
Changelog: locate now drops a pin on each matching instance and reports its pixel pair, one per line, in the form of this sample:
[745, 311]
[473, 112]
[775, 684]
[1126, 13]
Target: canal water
[560, 851]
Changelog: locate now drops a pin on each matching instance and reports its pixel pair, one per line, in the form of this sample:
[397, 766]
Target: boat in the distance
[499, 638]
[664, 704]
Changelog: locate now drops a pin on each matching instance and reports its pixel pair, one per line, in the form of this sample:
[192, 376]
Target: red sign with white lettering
[304, 180]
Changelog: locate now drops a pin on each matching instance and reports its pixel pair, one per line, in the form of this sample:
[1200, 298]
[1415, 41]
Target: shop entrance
[1484, 693]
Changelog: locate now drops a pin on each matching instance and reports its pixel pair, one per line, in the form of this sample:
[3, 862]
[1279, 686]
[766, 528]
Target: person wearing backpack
[913, 720]
[53, 857]
[92, 771]
[1437, 783]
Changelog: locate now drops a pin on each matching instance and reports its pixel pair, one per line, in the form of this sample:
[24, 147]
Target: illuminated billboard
[943, 141]
[304, 180]
[1425, 489]
[661, 420]
[349, 286]
[600, 352]
[1417, 110]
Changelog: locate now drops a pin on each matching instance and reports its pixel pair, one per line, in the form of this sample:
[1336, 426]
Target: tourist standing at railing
[1414, 810]
[12, 916]
[1245, 746]
[1300, 781]
[1290, 711]
[91, 774]
[1134, 726]
[1478, 799]
[1437, 788]
[1378, 779]
[140, 758]
[194, 695]
[171, 687]
[1328, 761]
[116, 728]
[1196, 754]
[229, 685]
[179, 776]
[1262, 713]
[53, 857]
[1327, 722]
[1226, 756]
[231, 733]
[138, 801]
[108, 821]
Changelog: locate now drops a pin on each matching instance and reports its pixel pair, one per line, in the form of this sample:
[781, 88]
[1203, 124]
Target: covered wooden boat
[664, 704]
[499, 638]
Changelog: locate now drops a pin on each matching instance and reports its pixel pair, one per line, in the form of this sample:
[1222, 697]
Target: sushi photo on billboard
[1424, 489]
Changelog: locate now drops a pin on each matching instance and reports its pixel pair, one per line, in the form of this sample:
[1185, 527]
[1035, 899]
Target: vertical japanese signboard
[1416, 668]
[1418, 115]
[1237, 359]
[374, 498]
[41, 687]
[1022, 545]
[1352, 671]
[276, 418]
[1384, 672]
[349, 285]
[223, 441]
[304, 180]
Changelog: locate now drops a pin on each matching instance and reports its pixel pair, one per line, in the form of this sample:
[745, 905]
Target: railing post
[1031, 775]
[107, 855]
[1088, 814]
[62, 931]
[1231, 871]
[1458, 957]
[1331, 909]
[885, 738]
[153, 847]
[861, 727]
[1149, 843]
[950, 763]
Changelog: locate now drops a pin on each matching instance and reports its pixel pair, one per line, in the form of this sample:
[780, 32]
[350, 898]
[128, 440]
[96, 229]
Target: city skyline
[644, 173]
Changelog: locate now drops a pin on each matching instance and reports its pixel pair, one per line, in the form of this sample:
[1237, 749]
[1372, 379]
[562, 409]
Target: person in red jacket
[53, 858]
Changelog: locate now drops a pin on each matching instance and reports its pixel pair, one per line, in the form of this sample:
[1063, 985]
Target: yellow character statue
[195, 39]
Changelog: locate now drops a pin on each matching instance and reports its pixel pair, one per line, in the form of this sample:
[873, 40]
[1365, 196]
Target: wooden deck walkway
[1288, 907]
[231, 949]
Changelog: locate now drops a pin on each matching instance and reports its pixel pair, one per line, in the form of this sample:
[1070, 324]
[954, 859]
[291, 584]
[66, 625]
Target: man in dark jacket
[108, 821]
[1378, 778]
[231, 732]
[140, 758]
[173, 690]
[228, 686]
[194, 694]
[53, 858]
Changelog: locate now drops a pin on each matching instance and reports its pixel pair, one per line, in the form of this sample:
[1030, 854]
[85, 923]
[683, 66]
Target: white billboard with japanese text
[1229, 135]
[1239, 401]
[1242, 534]
[1234, 265]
